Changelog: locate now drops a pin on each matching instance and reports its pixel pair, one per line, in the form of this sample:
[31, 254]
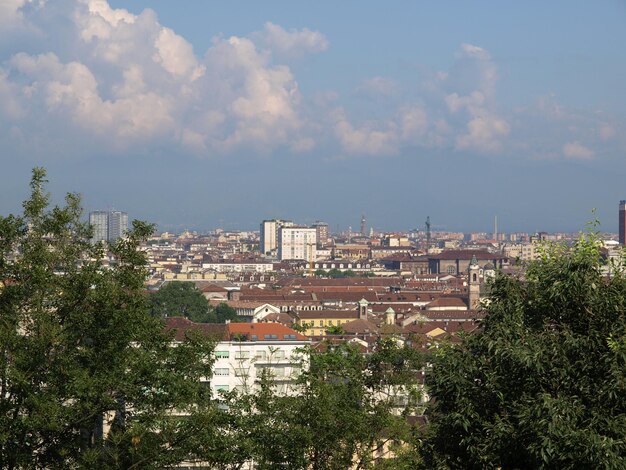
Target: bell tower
[363, 309]
[473, 283]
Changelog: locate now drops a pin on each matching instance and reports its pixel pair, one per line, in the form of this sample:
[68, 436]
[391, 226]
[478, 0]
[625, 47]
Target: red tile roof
[263, 329]
[465, 255]
[183, 327]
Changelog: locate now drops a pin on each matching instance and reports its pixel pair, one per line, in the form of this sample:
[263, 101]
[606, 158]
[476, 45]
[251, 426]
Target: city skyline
[224, 115]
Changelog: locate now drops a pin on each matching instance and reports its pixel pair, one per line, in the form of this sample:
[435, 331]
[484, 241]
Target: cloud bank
[109, 80]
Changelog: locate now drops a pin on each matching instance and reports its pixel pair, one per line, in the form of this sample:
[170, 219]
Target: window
[221, 354]
[221, 388]
[242, 355]
[451, 270]
[261, 355]
[321, 322]
[279, 354]
[221, 372]
[240, 372]
[278, 371]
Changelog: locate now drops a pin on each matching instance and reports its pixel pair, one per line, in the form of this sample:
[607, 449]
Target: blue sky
[204, 114]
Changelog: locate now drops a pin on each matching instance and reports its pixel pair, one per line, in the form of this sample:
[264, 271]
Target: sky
[198, 115]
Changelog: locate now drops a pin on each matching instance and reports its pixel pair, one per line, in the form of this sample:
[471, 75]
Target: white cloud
[369, 139]
[410, 126]
[577, 151]
[176, 55]
[132, 81]
[11, 16]
[292, 43]
[110, 80]
[482, 128]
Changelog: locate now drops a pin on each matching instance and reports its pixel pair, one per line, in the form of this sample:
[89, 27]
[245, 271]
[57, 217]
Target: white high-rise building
[108, 225]
[297, 243]
[118, 225]
[99, 221]
[269, 235]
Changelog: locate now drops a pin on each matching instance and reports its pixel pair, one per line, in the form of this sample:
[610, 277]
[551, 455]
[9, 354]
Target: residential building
[246, 351]
[456, 262]
[321, 231]
[268, 242]
[99, 221]
[297, 243]
[118, 225]
[108, 225]
[318, 321]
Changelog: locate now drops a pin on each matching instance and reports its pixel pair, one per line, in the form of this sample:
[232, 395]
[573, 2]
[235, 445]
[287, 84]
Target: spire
[474, 261]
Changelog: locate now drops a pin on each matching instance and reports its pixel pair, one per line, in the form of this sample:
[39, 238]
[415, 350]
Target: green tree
[224, 312]
[544, 384]
[345, 407]
[178, 298]
[320, 273]
[335, 330]
[335, 273]
[79, 350]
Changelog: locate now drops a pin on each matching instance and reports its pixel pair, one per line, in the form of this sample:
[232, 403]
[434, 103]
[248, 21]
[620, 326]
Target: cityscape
[312, 236]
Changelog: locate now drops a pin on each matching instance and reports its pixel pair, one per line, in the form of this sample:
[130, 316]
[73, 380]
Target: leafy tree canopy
[544, 384]
[87, 377]
[178, 298]
[346, 408]
[335, 330]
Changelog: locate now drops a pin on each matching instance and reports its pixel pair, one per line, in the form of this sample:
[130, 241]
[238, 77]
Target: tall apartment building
[118, 225]
[99, 221]
[321, 230]
[297, 243]
[269, 234]
[108, 226]
[622, 222]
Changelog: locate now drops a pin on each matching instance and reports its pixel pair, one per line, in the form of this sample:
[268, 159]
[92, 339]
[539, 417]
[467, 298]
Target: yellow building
[318, 321]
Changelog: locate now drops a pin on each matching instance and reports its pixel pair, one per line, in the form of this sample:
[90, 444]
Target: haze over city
[220, 115]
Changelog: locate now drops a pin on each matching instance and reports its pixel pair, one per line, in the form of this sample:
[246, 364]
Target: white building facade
[269, 235]
[297, 243]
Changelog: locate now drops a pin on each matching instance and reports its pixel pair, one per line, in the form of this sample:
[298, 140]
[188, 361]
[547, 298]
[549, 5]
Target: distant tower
[108, 225]
[427, 234]
[473, 282]
[495, 227]
[118, 225]
[622, 222]
[390, 316]
[363, 309]
[99, 221]
[363, 228]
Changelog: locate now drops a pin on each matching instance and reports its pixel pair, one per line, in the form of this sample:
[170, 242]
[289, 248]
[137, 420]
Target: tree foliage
[544, 384]
[87, 376]
[224, 312]
[179, 298]
[344, 409]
